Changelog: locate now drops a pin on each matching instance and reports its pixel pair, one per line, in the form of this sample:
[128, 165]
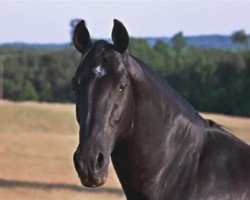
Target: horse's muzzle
[92, 172]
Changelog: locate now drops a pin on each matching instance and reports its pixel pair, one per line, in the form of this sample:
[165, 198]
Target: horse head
[104, 101]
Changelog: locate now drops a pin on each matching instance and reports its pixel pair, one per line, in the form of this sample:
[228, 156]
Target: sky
[48, 21]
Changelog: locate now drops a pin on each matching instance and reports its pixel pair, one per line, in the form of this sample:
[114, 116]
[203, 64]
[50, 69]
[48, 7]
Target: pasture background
[37, 143]
[212, 71]
[38, 139]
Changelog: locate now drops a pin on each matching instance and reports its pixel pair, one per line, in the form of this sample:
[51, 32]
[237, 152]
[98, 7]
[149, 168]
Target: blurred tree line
[213, 80]
[40, 74]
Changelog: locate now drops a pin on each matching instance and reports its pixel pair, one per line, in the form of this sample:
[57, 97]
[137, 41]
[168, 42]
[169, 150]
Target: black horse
[161, 148]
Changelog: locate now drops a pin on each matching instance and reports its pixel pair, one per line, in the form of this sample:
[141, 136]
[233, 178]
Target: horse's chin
[93, 182]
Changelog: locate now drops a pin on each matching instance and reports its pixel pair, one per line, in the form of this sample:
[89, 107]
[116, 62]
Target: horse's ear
[120, 36]
[81, 37]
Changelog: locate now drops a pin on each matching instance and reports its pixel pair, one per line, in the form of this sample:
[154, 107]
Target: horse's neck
[160, 136]
[152, 90]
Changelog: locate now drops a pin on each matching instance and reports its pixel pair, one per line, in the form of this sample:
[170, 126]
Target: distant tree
[179, 45]
[163, 60]
[240, 37]
[1, 78]
[178, 42]
[29, 91]
[141, 49]
[46, 92]
[72, 25]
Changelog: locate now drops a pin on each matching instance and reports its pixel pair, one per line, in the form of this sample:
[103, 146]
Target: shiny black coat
[161, 148]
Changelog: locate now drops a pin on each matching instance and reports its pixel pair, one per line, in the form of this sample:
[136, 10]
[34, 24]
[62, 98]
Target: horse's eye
[73, 88]
[122, 87]
[73, 85]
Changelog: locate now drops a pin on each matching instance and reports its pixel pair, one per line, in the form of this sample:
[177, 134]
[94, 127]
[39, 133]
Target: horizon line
[109, 39]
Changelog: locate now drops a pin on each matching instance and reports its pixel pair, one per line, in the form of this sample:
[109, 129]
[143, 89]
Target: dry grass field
[37, 143]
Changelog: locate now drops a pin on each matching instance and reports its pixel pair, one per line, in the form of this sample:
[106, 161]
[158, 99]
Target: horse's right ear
[120, 36]
[81, 37]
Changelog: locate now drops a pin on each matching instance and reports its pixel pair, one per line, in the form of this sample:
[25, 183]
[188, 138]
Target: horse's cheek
[115, 115]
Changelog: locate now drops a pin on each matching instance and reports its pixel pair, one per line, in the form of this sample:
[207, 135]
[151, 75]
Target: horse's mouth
[93, 182]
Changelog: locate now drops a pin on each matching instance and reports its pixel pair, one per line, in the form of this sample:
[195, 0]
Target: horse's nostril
[99, 161]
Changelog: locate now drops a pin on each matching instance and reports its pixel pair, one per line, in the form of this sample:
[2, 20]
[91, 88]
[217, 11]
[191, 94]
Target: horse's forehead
[99, 71]
[105, 51]
[101, 45]
[93, 60]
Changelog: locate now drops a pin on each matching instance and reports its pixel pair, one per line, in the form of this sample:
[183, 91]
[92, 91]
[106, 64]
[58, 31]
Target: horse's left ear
[120, 36]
